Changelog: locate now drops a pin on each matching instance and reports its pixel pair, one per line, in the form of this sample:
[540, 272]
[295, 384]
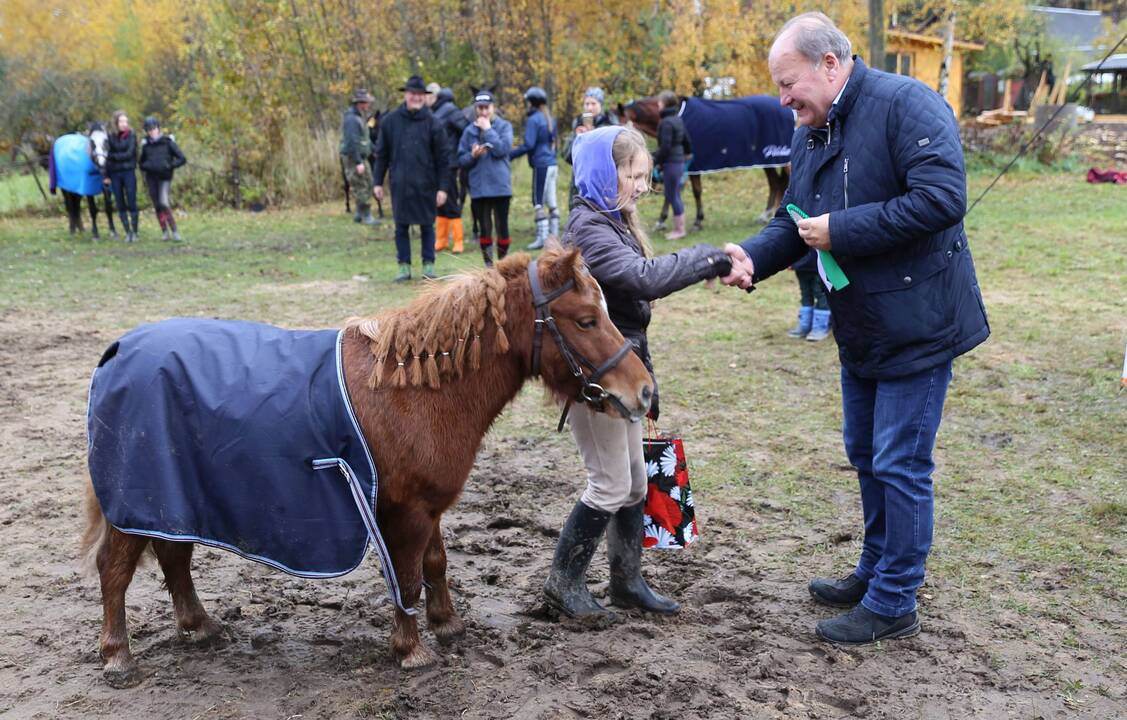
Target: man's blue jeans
[403, 242]
[889, 431]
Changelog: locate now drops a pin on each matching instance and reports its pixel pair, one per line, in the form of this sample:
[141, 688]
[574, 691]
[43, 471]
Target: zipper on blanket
[845, 176]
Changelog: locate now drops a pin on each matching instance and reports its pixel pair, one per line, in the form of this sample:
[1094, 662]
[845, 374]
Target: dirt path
[743, 646]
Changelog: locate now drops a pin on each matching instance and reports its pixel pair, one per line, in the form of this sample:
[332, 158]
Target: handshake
[742, 270]
[732, 266]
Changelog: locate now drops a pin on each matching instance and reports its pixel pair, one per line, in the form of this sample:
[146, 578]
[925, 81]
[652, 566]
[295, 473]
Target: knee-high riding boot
[566, 586]
[624, 549]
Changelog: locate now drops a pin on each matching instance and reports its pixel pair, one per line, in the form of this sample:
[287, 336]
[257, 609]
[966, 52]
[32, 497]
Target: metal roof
[1115, 63]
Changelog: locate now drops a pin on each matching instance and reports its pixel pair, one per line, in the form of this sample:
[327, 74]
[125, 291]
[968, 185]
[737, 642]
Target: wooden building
[921, 56]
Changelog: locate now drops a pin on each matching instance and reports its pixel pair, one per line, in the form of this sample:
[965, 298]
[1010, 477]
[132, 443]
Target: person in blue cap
[612, 170]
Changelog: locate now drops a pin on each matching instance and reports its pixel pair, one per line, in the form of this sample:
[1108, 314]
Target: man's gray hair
[815, 35]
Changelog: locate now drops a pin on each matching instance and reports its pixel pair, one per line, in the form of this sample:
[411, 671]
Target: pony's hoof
[121, 678]
[420, 657]
[447, 632]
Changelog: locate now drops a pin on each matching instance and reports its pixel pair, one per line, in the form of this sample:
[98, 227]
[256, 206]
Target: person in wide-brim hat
[361, 96]
[414, 84]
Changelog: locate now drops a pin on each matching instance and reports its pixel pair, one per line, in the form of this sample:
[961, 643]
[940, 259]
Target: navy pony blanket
[746, 132]
[221, 432]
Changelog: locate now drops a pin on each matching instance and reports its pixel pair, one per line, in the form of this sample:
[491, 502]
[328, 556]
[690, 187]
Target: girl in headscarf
[612, 170]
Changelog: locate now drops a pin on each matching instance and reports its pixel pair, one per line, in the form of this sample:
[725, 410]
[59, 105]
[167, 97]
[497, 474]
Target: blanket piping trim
[364, 505]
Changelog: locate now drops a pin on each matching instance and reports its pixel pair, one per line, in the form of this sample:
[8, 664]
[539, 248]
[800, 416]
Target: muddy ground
[742, 648]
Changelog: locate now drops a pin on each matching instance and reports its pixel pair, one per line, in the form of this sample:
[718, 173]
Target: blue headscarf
[596, 177]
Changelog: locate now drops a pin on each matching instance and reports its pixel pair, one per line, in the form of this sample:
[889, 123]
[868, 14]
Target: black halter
[590, 391]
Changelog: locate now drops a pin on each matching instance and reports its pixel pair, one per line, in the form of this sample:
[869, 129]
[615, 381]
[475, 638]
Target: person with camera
[593, 116]
[484, 153]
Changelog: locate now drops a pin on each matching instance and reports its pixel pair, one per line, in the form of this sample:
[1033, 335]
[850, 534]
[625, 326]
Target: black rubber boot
[624, 549]
[502, 251]
[566, 586]
[487, 254]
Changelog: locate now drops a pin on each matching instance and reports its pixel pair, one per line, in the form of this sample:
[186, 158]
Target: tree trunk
[948, 46]
[877, 22]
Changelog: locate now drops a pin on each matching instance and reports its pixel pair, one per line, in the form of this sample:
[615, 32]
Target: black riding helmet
[535, 95]
[151, 123]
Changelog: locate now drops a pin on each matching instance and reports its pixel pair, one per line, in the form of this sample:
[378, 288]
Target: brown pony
[645, 114]
[424, 421]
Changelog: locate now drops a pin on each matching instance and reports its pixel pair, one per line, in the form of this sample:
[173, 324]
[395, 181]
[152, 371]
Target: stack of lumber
[1005, 114]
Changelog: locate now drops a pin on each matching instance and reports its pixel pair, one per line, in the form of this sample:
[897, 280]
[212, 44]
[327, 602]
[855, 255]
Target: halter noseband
[590, 391]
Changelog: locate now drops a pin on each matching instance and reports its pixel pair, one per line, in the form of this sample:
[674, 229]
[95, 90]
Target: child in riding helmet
[612, 170]
[160, 156]
[540, 146]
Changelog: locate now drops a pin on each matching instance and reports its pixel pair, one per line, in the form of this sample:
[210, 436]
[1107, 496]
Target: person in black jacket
[612, 170]
[877, 164]
[121, 171]
[453, 122]
[672, 146]
[412, 148]
[160, 156]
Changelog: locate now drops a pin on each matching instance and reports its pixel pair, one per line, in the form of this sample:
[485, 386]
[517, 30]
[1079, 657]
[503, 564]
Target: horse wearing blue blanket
[298, 449]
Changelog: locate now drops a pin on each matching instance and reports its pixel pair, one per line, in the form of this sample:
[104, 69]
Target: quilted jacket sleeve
[618, 266]
[928, 154]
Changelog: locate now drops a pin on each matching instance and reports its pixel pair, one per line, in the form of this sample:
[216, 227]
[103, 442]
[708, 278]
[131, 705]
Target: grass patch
[18, 192]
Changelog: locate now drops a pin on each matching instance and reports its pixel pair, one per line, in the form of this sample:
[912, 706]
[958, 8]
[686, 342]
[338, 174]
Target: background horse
[77, 167]
[425, 383]
[742, 133]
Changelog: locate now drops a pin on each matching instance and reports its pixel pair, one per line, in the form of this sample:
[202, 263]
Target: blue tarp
[746, 132]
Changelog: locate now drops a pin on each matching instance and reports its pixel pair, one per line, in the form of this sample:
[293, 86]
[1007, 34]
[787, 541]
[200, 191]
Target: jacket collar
[420, 114]
[669, 111]
[851, 92]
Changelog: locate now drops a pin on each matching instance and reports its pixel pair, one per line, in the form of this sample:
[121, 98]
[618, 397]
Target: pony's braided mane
[439, 335]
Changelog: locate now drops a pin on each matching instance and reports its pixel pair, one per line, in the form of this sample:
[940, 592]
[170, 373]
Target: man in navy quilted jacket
[877, 164]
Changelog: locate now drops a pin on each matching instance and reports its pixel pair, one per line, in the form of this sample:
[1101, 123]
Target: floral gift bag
[669, 516]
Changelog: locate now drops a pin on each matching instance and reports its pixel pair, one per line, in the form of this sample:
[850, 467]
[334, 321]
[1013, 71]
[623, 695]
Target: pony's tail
[96, 533]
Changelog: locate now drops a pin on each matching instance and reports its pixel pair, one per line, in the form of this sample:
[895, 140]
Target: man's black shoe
[842, 593]
[861, 626]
